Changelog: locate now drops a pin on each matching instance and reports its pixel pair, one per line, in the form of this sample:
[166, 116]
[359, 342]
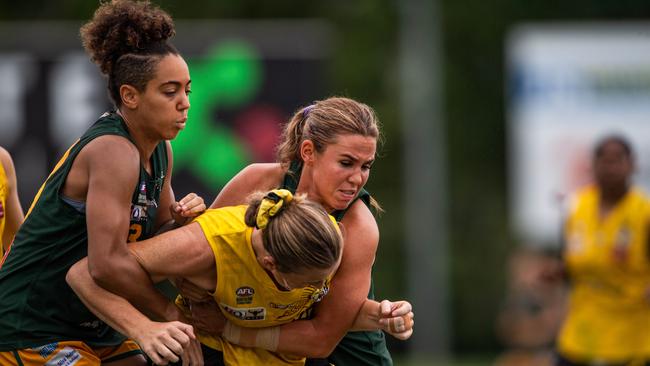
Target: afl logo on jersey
[244, 295]
[245, 291]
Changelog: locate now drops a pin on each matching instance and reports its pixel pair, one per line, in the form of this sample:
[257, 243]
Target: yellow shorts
[69, 353]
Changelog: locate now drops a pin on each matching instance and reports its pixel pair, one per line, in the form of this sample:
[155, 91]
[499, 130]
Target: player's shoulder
[111, 157]
[111, 147]
[261, 175]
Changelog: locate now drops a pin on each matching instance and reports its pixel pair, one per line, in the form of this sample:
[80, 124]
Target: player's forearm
[134, 284]
[301, 337]
[114, 310]
[368, 317]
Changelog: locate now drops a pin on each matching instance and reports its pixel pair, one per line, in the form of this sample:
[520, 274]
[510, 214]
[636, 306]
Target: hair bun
[120, 27]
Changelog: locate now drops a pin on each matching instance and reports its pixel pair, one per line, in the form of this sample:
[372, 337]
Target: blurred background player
[11, 212]
[606, 258]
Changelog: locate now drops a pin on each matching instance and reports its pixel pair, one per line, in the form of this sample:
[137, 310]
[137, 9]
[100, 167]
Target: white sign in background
[568, 86]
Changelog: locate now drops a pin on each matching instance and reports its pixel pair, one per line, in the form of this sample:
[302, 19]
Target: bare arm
[111, 165]
[336, 313]
[160, 341]
[13, 211]
[181, 252]
[255, 177]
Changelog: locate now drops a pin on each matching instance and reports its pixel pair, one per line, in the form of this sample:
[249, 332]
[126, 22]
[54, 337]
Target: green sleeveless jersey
[36, 304]
[366, 348]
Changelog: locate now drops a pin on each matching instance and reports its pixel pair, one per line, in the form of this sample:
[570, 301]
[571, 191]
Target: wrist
[372, 309]
[139, 330]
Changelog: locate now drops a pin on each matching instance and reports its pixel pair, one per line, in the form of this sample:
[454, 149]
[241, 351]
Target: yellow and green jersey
[37, 306]
[245, 292]
[606, 257]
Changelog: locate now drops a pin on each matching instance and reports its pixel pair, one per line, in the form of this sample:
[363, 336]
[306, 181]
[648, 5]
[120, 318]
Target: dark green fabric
[17, 356]
[356, 348]
[37, 306]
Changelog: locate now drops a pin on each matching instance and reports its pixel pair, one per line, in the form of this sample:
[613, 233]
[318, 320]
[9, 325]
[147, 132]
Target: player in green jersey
[112, 186]
[326, 152]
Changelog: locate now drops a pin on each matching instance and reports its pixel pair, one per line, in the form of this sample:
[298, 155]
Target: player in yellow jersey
[11, 213]
[266, 263]
[606, 256]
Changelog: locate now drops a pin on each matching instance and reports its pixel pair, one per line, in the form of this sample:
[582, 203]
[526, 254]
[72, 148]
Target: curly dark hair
[127, 39]
[616, 138]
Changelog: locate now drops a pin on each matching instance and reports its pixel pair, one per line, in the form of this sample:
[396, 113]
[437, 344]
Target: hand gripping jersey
[367, 348]
[37, 306]
[245, 292]
[607, 259]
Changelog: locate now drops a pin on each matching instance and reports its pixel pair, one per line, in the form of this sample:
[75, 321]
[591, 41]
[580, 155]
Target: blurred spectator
[532, 311]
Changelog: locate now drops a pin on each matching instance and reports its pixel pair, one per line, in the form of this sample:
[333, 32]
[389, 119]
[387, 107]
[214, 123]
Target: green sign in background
[229, 75]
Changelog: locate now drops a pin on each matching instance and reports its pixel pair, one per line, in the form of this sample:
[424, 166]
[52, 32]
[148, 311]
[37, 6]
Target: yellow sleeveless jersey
[245, 292]
[608, 317]
[4, 191]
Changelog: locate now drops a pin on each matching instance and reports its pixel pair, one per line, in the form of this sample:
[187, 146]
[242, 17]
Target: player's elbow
[102, 274]
[73, 275]
[322, 348]
[321, 352]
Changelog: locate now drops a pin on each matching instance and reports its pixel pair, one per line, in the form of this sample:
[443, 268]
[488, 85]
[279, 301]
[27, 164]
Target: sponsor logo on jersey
[245, 291]
[65, 357]
[47, 349]
[296, 310]
[152, 204]
[258, 313]
[244, 295]
[92, 324]
[142, 194]
[275, 305]
[138, 213]
[291, 310]
[157, 186]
